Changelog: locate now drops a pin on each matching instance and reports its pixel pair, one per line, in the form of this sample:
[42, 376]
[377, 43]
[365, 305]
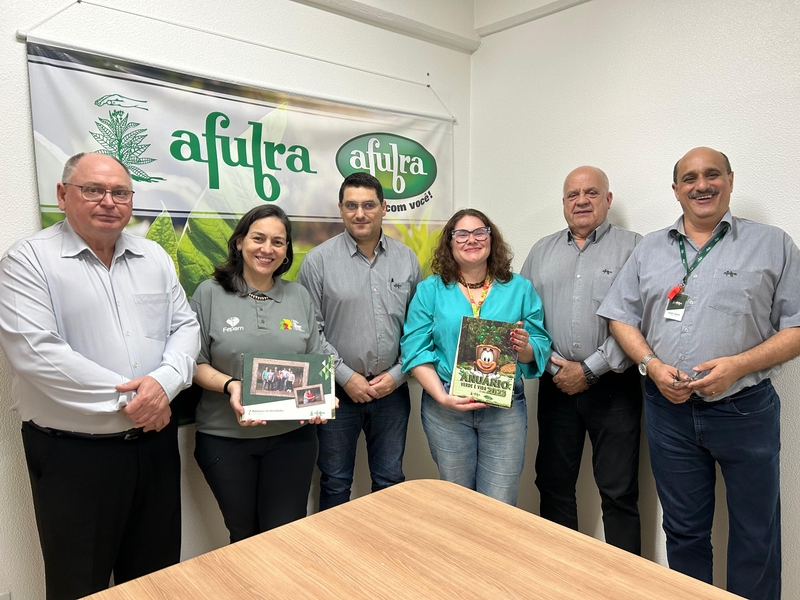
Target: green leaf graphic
[163, 233]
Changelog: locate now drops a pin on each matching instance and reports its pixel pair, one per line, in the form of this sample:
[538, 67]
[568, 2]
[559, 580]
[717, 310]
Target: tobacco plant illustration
[119, 138]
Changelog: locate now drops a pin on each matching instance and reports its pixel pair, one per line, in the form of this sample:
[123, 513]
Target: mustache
[694, 195]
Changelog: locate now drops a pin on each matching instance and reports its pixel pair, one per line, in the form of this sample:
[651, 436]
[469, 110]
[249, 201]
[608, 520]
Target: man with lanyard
[709, 308]
[590, 384]
[100, 339]
[361, 282]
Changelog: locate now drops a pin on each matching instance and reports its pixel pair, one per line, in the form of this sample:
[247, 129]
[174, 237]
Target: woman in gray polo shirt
[260, 472]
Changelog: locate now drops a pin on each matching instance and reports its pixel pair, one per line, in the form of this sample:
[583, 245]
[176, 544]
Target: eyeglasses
[481, 234]
[368, 206]
[92, 193]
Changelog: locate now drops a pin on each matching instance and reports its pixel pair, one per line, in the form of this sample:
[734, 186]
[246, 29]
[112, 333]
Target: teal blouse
[434, 316]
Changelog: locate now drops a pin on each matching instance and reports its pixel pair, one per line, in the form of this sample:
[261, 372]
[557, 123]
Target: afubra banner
[202, 152]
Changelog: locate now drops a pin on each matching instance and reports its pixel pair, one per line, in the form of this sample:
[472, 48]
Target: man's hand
[570, 378]
[359, 389]
[383, 384]
[150, 406]
[671, 382]
[723, 373]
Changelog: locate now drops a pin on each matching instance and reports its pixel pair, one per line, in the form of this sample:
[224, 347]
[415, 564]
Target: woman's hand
[521, 343]
[319, 420]
[235, 390]
[459, 403]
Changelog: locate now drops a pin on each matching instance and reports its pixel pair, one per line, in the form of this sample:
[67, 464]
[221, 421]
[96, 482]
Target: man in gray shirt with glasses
[361, 283]
[589, 385]
[100, 339]
[710, 307]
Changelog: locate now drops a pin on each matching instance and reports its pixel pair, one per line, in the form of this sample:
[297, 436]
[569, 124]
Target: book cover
[284, 387]
[486, 364]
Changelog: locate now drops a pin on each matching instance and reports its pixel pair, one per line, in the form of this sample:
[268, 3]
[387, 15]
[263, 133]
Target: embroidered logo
[606, 271]
[291, 324]
[233, 322]
[730, 273]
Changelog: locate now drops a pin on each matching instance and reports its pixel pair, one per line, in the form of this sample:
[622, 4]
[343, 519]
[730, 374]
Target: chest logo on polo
[291, 324]
[233, 322]
[606, 271]
[730, 273]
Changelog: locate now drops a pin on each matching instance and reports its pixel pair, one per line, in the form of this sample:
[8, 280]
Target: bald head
[695, 151]
[703, 186]
[594, 172]
[586, 200]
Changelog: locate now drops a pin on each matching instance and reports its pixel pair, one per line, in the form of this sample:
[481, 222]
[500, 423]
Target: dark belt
[695, 399]
[130, 434]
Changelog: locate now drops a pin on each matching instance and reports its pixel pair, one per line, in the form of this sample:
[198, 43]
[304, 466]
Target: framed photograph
[283, 387]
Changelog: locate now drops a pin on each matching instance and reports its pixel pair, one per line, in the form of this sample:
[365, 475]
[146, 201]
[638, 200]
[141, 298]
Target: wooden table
[418, 540]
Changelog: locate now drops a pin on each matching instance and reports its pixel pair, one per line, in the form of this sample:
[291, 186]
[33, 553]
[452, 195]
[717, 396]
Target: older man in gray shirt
[100, 339]
[361, 283]
[710, 307]
[590, 384]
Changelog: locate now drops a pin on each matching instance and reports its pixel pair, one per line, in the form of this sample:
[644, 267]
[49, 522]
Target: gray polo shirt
[572, 282]
[231, 325]
[746, 289]
[361, 305]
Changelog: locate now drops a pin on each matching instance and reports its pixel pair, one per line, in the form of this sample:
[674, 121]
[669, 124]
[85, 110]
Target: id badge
[676, 307]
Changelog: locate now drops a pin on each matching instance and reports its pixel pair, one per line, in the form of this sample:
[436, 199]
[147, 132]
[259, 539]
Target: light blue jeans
[484, 449]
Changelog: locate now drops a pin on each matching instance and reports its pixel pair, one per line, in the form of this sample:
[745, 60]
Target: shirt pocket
[601, 282]
[734, 292]
[397, 298]
[154, 313]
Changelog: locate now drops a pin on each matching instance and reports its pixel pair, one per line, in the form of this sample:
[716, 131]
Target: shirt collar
[73, 244]
[352, 245]
[678, 228]
[275, 293]
[595, 236]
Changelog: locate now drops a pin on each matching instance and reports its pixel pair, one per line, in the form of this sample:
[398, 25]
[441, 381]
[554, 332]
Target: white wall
[275, 22]
[630, 86]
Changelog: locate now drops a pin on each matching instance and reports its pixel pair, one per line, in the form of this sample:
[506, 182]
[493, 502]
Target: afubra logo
[233, 322]
[403, 166]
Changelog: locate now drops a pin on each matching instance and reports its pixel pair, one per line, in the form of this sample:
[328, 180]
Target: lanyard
[697, 259]
[476, 306]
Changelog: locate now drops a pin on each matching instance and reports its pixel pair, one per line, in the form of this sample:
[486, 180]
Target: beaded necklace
[476, 306]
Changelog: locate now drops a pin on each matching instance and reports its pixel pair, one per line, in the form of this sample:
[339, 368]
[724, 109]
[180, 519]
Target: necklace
[258, 296]
[476, 306]
[471, 286]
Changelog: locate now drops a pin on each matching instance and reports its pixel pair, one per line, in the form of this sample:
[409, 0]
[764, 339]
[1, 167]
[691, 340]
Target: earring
[285, 260]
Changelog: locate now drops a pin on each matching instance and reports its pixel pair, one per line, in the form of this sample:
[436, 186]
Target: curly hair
[230, 274]
[498, 264]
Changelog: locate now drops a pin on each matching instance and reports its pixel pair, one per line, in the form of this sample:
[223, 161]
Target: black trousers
[610, 411]
[103, 506]
[259, 483]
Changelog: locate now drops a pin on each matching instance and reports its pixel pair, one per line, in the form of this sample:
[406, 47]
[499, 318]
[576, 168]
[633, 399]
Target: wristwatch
[643, 364]
[591, 378]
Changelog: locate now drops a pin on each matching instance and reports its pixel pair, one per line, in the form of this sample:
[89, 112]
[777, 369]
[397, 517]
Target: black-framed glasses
[368, 206]
[93, 193]
[481, 234]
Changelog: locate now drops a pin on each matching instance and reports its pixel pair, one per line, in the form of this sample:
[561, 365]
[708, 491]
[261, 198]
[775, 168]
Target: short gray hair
[72, 164]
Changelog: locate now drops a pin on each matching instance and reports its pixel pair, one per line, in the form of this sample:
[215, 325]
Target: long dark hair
[230, 274]
[498, 265]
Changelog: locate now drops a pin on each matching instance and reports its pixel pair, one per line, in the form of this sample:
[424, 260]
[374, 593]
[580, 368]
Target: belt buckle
[132, 435]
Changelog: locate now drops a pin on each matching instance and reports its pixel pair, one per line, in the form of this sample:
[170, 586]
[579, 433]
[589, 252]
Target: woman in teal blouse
[474, 445]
